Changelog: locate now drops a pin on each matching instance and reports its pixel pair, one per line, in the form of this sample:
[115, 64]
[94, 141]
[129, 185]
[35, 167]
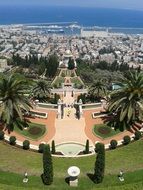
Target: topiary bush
[53, 151]
[86, 151]
[113, 144]
[138, 135]
[26, 145]
[126, 140]
[41, 147]
[99, 164]
[12, 140]
[97, 146]
[47, 175]
[1, 135]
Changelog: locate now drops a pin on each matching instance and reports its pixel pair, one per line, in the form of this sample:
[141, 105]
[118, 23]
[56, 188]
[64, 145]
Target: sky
[123, 4]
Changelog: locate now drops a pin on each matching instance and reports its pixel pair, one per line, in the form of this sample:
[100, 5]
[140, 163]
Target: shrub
[126, 140]
[1, 135]
[26, 145]
[113, 144]
[53, 147]
[99, 164]
[12, 140]
[41, 147]
[138, 135]
[97, 146]
[47, 166]
[87, 147]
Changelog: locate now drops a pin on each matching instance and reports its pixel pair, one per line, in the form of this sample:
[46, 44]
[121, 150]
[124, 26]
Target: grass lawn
[34, 131]
[128, 158]
[104, 131]
[76, 81]
[57, 83]
[133, 180]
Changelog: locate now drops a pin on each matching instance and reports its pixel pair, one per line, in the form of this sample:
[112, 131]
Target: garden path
[70, 129]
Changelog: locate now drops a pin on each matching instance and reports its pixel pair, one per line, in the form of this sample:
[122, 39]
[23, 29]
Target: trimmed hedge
[41, 147]
[97, 147]
[47, 175]
[138, 135]
[26, 145]
[126, 140]
[86, 151]
[113, 144]
[53, 151]
[99, 164]
[1, 135]
[12, 140]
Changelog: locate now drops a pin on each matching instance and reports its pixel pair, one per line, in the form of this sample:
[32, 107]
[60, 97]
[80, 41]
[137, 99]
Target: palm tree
[127, 102]
[41, 90]
[98, 89]
[13, 100]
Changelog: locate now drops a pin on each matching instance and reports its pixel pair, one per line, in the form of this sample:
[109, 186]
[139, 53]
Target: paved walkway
[70, 129]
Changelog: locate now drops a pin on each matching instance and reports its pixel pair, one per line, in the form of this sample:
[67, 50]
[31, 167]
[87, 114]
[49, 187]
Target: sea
[118, 20]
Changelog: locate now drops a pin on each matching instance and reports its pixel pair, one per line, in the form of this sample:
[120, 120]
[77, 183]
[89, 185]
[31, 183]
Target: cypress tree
[47, 166]
[87, 147]
[99, 164]
[53, 147]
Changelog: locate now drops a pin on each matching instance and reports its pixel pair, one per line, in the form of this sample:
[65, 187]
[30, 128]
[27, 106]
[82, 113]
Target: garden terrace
[12, 175]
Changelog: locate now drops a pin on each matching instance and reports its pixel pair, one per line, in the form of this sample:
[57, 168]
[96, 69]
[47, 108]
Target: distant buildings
[14, 39]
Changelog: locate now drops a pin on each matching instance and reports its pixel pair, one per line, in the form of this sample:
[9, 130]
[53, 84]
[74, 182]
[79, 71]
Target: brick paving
[69, 129]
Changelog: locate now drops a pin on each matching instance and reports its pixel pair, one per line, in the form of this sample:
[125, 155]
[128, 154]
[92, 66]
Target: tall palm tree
[13, 100]
[41, 90]
[98, 89]
[127, 102]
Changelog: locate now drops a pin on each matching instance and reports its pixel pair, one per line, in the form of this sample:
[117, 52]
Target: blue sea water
[84, 16]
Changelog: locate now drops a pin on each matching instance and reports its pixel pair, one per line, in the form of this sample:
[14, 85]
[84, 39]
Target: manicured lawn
[34, 131]
[133, 180]
[58, 82]
[128, 158]
[76, 81]
[104, 131]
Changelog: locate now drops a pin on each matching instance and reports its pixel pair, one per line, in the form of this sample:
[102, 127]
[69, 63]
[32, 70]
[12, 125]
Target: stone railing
[92, 106]
[44, 105]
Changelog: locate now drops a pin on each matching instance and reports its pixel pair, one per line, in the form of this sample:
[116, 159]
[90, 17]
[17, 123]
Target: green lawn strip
[59, 182]
[102, 135]
[29, 135]
[127, 158]
[133, 186]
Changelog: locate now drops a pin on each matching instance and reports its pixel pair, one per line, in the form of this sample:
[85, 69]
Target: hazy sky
[125, 4]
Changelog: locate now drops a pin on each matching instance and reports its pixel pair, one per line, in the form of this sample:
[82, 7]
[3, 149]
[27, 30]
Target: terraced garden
[14, 162]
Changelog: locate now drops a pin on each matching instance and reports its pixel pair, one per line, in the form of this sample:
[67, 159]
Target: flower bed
[104, 131]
